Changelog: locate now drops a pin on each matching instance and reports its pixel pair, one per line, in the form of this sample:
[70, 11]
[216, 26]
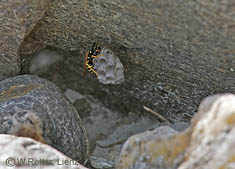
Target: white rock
[22, 152]
[213, 135]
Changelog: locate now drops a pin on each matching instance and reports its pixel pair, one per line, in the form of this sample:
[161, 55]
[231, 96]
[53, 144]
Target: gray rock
[34, 107]
[100, 163]
[17, 19]
[166, 47]
[106, 129]
[21, 153]
[109, 68]
[72, 95]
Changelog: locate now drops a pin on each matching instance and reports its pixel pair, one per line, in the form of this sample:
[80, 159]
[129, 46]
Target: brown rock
[30, 129]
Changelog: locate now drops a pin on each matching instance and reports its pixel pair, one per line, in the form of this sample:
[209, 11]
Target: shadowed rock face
[174, 52]
[17, 19]
[34, 107]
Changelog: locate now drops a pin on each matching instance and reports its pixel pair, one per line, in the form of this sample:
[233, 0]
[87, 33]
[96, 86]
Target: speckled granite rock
[21, 153]
[34, 107]
[208, 143]
[17, 19]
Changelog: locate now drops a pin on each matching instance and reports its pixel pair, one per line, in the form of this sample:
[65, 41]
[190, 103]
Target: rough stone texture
[159, 149]
[174, 52]
[109, 68]
[208, 143]
[34, 107]
[213, 135]
[17, 19]
[107, 130]
[100, 163]
[21, 153]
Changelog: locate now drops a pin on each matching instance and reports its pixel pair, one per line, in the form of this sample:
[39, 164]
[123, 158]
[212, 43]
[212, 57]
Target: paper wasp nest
[109, 68]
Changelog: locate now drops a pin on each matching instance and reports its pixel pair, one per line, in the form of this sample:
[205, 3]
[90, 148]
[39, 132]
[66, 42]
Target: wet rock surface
[21, 153]
[207, 143]
[33, 107]
[17, 19]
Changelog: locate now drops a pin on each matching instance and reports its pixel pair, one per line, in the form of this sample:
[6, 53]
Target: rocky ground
[200, 146]
[174, 53]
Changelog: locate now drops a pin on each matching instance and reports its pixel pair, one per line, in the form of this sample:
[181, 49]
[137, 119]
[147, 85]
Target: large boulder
[212, 139]
[34, 107]
[17, 19]
[208, 142]
[174, 53]
[21, 153]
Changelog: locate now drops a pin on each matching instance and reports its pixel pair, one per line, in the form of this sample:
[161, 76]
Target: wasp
[94, 52]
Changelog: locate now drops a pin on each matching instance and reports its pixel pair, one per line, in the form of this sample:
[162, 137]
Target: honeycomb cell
[109, 67]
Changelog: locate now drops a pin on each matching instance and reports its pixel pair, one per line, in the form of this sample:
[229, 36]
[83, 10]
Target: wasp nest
[109, 68]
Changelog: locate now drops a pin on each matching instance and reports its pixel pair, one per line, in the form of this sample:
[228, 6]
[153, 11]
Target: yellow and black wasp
[94, 52]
